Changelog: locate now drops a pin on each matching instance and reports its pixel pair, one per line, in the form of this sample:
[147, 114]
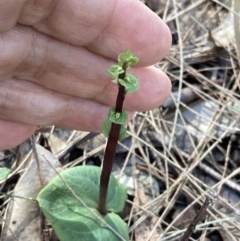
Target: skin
[53, 60]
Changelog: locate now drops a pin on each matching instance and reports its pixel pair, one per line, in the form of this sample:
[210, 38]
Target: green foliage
[73, 221]
[115, 70]
[118, 118]
[123, 132]
[4, 171]
[128, 58]
[83, 216]
[107, 124]
[131, 85]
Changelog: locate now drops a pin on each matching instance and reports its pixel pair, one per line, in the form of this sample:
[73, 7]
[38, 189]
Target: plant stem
[111, 149]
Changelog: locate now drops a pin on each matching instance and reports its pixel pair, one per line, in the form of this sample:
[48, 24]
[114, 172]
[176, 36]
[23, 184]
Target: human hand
[54, 56]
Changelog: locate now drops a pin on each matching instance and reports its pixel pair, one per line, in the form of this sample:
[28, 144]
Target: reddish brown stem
[110, 150]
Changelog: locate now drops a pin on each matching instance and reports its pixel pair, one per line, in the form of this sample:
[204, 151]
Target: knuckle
[13, 51]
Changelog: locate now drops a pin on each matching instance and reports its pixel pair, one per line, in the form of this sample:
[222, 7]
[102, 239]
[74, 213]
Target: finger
[30, 104]
[12, 134]
[9, 13]
[106, 27]
[74, 70]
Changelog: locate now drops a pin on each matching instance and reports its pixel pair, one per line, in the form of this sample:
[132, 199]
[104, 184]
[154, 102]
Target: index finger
[105, 27]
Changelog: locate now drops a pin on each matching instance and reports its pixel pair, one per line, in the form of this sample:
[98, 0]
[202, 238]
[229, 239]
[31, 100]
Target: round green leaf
[70, 219]
[78, 223]
[85, 180]
[130, 83]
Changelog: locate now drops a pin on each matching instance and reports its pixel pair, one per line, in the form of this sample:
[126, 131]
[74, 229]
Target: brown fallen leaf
[23, 219]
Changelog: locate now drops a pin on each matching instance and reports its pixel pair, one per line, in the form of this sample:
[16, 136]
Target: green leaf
[70, 219]
[115, 71]
[130, 82]
[107, 124]
[116, 117]
[123, 132]
[4, 171]
[128, 58]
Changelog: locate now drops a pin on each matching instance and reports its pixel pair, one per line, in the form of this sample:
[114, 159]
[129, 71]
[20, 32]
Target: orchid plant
[81, 202]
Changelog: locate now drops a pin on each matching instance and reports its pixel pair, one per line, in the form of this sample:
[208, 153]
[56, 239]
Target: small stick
[200, 215]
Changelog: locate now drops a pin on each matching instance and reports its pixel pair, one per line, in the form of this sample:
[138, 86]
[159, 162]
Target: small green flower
[115, 71]
[116, 117]
[127, 57]
[130, 82]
